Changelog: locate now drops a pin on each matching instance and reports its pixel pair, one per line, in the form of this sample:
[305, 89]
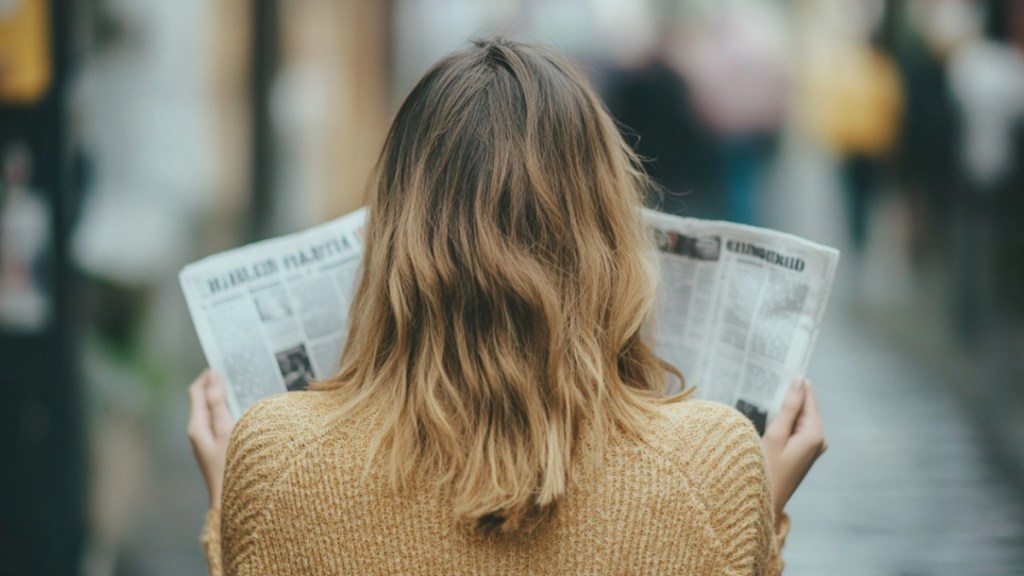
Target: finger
[810, 427]
[792, 405]
[199, 414]
[815, 415]
[216, 399]
[810, 415]
[202, 377]
[811, 403]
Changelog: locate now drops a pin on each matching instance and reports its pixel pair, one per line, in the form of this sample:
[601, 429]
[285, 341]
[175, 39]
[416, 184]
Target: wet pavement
[908, 486]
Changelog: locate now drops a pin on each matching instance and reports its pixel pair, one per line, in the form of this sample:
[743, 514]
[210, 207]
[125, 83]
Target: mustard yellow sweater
[691, 499]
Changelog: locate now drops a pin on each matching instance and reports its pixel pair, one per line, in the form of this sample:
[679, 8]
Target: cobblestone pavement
[906, 488]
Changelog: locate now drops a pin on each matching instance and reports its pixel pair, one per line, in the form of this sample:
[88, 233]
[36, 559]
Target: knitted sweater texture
[692, 498]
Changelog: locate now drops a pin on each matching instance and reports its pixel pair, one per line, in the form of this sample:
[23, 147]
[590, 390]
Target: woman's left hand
[209, 427]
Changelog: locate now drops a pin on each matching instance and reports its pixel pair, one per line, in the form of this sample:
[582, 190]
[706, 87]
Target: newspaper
[272, 316]
[739, 308]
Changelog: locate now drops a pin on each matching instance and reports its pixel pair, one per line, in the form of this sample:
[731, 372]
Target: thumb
[199, 412]
[222, 422]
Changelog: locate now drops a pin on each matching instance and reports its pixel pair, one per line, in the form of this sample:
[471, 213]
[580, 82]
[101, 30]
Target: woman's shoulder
[286, 411]
[279, 426]
[702, 414]
[702, 428]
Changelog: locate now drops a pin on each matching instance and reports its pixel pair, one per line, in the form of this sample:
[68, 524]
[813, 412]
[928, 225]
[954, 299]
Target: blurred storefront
[135, 138]
[42, 501]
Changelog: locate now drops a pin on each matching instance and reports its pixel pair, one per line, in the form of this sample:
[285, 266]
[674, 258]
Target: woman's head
[506, 282]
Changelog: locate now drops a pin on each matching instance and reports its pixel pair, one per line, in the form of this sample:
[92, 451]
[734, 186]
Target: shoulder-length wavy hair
[506, 285]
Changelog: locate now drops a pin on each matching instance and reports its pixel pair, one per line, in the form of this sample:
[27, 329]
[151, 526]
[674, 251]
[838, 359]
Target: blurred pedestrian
[25, 246]
[986, 76]
[925, 159]
[739, 65]
[854, 103]
[654, 104]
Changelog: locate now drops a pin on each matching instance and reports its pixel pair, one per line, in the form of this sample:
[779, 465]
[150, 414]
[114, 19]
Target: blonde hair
[506, 284]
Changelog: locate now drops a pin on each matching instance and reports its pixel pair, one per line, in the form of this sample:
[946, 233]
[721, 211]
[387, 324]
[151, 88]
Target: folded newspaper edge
[739, 308]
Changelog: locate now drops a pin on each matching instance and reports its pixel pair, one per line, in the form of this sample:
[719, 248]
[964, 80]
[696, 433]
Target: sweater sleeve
[210, 540]
[254, 465]
[741, 512]
[781, 532]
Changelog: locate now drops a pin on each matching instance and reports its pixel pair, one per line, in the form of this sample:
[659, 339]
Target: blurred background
[137, 136]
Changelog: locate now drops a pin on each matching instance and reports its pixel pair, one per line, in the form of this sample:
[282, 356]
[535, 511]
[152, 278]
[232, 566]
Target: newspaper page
[739, 308]
[271, 316]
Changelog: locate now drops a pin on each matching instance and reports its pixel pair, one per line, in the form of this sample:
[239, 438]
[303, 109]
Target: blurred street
[138, 137]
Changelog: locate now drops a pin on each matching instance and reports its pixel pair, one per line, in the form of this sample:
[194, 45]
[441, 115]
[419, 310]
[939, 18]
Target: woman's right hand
[792, 442]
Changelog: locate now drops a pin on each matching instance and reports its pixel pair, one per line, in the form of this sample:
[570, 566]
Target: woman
[498, 407]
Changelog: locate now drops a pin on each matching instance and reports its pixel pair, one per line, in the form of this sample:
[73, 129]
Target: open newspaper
[739, 308]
